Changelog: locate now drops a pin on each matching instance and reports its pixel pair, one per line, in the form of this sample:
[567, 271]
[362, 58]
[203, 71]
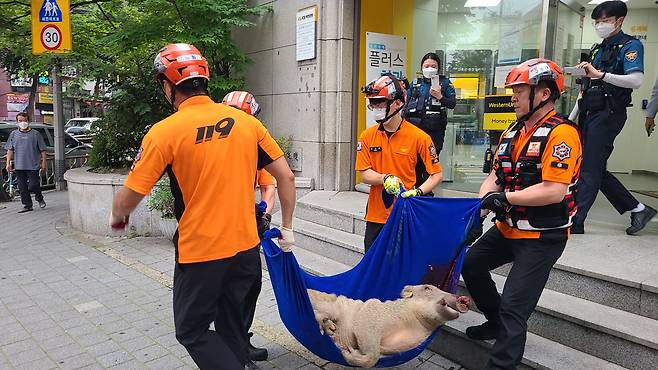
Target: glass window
[474, 42]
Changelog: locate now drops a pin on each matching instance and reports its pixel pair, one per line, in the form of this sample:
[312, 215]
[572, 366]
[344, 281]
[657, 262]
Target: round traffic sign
[51, 37]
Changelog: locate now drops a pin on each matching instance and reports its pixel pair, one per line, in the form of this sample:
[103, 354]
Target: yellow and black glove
[392, 184]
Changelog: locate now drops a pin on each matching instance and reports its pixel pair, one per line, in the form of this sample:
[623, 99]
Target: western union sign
[498, 112]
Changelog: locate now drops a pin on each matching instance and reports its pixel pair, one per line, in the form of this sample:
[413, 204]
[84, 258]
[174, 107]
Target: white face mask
[604, 29]
[23, 125]
[429, 72]
[379, 114]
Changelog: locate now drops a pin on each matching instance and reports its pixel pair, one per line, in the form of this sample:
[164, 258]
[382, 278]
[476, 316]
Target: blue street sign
[50, 12]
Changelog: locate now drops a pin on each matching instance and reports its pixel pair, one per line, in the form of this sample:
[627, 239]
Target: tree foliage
[115, 41]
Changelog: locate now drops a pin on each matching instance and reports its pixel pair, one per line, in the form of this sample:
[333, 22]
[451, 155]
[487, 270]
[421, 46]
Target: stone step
[588, 268]
[337, 245]
[540, 353]
[337, 210]
[605, 332]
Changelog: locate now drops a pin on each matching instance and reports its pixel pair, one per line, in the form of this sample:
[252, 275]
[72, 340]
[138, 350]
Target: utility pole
[51, 33]
[58, 110]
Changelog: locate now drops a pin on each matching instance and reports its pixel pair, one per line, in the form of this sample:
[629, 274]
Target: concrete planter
[168, 227]
[90, 201]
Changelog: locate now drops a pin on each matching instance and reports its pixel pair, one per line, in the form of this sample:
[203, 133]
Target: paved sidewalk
[70, 300]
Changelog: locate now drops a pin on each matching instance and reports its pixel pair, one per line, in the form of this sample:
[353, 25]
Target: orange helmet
[532, 71]
[385, 87]
[180, 62]
[243, 101]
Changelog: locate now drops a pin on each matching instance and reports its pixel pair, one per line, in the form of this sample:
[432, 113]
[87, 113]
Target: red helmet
[243, 101]
[534, 70]
[180, 62]
[385, 87]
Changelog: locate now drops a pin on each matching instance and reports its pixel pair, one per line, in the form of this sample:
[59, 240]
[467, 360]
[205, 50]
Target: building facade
[307, 74]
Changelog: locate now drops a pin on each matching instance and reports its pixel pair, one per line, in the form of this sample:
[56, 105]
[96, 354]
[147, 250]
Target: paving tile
[20, 346]
[43, 363]
[103, 348]
[22, 358]
[76, 362]
[164, 363]
[114, 358]
[150, 353]
[289, 360]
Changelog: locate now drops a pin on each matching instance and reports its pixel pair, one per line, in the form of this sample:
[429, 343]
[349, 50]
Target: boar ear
[407, 292]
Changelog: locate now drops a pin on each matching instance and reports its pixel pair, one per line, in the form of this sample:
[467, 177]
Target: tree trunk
[33, 96]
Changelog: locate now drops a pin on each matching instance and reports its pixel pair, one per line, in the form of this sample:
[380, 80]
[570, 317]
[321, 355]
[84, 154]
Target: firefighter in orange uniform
[531, 191]
[246, 102]
[211, 153]
[387, 154]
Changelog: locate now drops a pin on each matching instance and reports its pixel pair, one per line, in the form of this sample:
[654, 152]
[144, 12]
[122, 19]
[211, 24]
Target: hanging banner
[498, 112]
[306, 20]
[384, 54]
[51, 26]
[17, 102]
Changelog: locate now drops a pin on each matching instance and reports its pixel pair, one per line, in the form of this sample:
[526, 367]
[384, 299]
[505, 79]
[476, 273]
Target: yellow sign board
[45, 98]
[498, 112]
[51, 26]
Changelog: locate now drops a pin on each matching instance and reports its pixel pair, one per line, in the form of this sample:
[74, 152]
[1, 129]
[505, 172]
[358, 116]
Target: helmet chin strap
[173, 94]
[532, 110]
[388, 116]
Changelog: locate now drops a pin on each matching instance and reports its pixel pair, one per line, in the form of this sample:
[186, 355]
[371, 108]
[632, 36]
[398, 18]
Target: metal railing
[47, 177]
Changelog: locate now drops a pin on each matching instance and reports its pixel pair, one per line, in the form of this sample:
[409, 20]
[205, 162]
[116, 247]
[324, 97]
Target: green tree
[114, 42]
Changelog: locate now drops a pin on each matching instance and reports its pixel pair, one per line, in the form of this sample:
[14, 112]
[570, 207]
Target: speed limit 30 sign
[51, 26]
[51, 37]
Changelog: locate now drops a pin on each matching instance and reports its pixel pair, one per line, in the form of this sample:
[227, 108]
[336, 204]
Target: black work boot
[486, 331]
[639, 220]
[256, 354]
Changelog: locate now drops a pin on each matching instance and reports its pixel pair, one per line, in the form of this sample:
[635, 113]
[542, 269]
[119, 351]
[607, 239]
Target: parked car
[81, 128]
[84, 122]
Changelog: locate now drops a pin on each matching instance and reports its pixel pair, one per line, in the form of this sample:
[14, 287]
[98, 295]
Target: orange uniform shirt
[396, 155]
[264, 178]
[211, 153]
[563, 139]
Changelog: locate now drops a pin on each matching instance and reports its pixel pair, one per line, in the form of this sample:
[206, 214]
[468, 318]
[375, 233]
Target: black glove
[495, 201]
[475, 232]
[263, 223]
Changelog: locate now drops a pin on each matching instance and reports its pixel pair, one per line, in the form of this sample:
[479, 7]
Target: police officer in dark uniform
[614, 69]
[426, 106]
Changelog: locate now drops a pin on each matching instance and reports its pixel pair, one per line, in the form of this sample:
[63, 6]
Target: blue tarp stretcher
[422, 242]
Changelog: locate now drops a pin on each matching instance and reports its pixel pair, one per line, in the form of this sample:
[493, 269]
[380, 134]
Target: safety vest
[617, 97]
[525, 172]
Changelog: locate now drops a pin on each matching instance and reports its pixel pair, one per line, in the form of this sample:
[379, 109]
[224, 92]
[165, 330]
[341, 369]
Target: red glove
[118, 223]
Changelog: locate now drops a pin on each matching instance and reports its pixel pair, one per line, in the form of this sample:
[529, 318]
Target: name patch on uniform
[562, 151]
[560, 165]
[502, 148]
[534, 149]
[358, 146]
[510, 134]
[631, 55]
[542, 131]
[375, 148]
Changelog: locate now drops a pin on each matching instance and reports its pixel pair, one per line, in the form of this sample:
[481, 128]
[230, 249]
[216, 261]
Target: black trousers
[437, 137]
[533, 260]
[29, 182]
[215, 291]
[252, 299]
[599, 132]
[372, 231]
